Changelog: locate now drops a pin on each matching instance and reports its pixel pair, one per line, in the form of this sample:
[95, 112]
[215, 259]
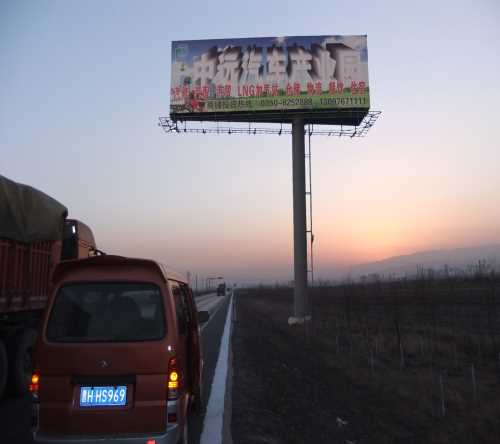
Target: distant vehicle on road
[119, 354]
[34, 237]
[221, 289]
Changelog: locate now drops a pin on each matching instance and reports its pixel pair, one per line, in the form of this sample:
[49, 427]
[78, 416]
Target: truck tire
[22, 348]
[3, 368]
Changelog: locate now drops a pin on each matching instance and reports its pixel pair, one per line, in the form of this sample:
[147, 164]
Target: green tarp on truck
[28, 215]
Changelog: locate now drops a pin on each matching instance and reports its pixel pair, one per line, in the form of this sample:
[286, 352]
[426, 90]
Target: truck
[221, 289]
[35, 236]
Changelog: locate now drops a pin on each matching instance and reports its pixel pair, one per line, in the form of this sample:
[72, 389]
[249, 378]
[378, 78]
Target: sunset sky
[82, 85]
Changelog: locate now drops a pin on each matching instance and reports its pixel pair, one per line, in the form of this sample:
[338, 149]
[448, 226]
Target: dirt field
[393, 363]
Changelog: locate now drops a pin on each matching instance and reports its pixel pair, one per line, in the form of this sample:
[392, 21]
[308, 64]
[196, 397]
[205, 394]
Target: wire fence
[436, 342]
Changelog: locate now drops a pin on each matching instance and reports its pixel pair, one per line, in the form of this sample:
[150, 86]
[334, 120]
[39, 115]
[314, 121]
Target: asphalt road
[211, 335]
[15, 412]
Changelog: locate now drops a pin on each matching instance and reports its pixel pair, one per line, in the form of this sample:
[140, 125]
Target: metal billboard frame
[254, 127]
[187, 115]
[298, 130]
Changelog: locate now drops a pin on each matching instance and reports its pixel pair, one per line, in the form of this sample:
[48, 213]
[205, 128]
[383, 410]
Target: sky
[82, 85]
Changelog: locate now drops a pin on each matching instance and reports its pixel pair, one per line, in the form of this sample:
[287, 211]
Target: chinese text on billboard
[269, 75]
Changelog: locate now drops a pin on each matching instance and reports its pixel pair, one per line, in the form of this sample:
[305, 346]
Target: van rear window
[107, 312]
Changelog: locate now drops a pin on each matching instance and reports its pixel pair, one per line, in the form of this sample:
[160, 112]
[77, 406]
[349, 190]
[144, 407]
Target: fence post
[372, 363]
[402, 356]
[474, 383]
[441, 388]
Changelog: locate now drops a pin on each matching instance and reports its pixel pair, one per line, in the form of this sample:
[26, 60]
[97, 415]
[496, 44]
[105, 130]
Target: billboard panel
[270, 79]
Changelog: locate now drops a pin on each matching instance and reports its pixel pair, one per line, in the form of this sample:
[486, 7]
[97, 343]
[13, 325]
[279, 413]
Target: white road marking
[212, 424]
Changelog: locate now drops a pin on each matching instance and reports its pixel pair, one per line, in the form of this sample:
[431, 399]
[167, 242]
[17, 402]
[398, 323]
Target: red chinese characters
[335, 87]
[219, 91]
[317, 88]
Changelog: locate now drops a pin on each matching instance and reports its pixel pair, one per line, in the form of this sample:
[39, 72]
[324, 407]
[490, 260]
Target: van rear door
[183, 322]
[194, 341]
[104, 359]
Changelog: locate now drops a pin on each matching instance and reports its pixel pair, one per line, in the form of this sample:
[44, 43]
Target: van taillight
[173, 379]
[34, 384]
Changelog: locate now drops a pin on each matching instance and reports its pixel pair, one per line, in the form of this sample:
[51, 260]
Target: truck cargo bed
[25, 271]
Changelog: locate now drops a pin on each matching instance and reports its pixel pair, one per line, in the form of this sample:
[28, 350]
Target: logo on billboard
[181, 52]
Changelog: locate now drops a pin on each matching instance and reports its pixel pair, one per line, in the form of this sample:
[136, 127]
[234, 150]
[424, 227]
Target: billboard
[322, 78]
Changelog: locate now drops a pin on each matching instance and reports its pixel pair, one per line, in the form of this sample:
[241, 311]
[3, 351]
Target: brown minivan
[118, 358]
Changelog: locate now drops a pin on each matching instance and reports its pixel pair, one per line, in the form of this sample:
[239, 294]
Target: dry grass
[425, 356]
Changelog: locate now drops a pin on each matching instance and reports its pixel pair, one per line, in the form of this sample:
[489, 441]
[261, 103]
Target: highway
[15, 412]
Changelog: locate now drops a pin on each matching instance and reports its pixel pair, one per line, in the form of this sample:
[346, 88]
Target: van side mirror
[203, 316]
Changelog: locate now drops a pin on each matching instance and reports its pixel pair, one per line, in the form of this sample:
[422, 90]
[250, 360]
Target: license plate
[103, 396]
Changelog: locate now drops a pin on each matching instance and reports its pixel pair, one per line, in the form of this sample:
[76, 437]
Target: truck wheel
[3, 368]
[22, 349]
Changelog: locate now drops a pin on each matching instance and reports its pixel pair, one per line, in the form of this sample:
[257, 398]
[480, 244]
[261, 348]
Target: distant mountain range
[456, 259]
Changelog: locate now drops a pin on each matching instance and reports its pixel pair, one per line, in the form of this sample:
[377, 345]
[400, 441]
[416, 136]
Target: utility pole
[301, 302]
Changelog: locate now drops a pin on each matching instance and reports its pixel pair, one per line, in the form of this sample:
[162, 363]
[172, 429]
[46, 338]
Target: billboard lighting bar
[211, 127]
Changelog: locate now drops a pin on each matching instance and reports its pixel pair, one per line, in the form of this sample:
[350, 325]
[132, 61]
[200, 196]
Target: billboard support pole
[301, 303]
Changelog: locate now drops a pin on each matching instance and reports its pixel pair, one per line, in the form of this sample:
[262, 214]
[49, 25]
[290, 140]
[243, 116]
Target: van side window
[180, 309]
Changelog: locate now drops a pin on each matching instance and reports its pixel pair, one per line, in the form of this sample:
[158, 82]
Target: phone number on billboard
[285, 103]
[335, 101]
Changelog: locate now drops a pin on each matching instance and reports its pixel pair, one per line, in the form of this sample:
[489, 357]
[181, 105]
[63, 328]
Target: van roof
[113, 260]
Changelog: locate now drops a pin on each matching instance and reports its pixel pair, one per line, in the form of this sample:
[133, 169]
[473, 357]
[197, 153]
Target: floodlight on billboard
[324, 79]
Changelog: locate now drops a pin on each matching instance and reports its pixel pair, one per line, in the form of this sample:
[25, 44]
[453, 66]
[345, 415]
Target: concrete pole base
[292, 320]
